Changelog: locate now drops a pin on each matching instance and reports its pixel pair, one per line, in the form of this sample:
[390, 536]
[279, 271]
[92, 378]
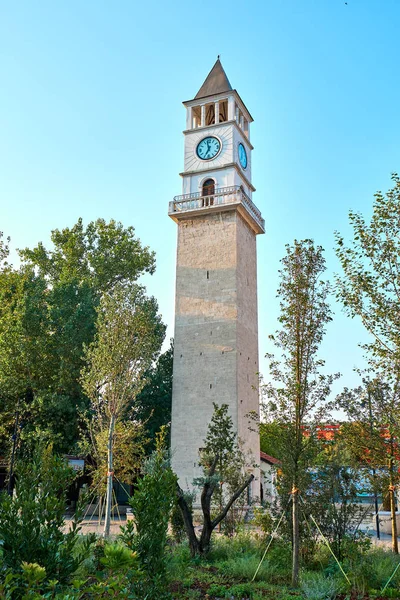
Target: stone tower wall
[215, 354]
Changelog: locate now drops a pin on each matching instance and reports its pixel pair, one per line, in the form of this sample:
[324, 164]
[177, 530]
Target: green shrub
[372, 570]
[316, 586]
[119, 558]
[263, 519]
[32, 521]
[127, 534]
[151, 505]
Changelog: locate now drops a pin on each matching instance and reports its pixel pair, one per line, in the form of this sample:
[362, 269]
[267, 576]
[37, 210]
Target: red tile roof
[269, 459]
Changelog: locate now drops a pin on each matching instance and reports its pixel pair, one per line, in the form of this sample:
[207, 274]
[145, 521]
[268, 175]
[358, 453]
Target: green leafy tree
[47, 315]
[296, 396]
[32, 521]
[153, 403]
[129, 334]
[269, 434]
[370, 289]
[337, 482]
[152, 504]
[220, 459]
[370, 285]
[373, 435]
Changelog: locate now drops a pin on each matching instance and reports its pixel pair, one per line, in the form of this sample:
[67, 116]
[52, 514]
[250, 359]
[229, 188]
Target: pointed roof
[216, 82]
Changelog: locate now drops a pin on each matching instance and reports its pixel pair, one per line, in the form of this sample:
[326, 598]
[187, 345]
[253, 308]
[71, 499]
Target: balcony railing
[221, 196]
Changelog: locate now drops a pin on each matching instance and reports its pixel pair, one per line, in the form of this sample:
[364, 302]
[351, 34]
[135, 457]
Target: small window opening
[210, 114]
[209, 187]
[223, 111]
[208, 274]
[201, 354]
[196, 117]
[210, 386]
[208, 190]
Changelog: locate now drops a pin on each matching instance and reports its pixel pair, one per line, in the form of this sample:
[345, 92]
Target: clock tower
[216, 330]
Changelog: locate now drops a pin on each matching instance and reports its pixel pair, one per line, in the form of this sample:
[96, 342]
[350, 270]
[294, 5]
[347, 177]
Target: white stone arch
[204, 179]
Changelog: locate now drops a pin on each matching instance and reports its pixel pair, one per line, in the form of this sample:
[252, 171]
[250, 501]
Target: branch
[208, 491]
[235, 496]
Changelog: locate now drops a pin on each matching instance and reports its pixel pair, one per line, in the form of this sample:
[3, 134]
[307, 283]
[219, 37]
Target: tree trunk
[107, 521]
[188, 521]
[202, 546]
[296, 538]
[395, 545]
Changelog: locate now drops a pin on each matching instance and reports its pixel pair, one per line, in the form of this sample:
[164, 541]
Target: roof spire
[216, 82]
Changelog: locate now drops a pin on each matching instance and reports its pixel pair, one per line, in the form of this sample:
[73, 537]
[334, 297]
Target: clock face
[208, 148]
[242, 156]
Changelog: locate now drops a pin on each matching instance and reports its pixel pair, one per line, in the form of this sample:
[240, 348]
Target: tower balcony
[228, 198]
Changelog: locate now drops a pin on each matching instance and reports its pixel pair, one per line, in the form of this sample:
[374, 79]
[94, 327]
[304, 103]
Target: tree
[370, 285]
[152, 504]
[102, 255]
[47, 315]
[32, 521]
[370, 289]
[337, 483]
[373, 435]
[153, 403]
[269, 434]
[297, 398]
[129, 334]
[221, 447]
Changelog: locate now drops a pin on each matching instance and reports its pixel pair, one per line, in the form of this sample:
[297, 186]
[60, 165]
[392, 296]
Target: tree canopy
[48, 313]
[370, 285]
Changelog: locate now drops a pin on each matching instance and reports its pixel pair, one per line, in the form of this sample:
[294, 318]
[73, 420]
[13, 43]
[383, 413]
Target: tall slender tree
[370, 285]
[295, 398]
[128, 338]
[369, 288]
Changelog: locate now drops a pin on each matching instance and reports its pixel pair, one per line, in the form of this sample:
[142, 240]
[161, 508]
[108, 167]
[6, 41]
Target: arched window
[208, 187]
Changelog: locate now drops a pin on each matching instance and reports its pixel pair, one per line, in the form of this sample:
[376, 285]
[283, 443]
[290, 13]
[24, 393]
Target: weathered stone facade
[216, 345]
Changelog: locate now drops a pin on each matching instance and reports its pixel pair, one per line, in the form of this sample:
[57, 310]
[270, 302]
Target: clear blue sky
[91, 121]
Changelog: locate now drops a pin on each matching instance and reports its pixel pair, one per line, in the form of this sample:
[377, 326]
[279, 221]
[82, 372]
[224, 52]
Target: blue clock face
[208, 148]
[242, 156]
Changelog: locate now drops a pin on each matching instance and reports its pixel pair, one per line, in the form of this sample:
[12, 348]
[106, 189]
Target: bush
[264, 520]
[32, 521]
[316, 586]
[151, 505]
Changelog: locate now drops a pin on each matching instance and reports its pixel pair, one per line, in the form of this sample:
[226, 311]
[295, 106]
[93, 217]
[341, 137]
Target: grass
[229, 568]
